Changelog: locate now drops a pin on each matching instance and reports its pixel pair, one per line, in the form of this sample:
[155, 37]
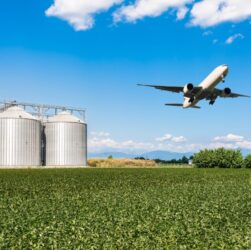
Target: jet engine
[188, 88]
[227, 92]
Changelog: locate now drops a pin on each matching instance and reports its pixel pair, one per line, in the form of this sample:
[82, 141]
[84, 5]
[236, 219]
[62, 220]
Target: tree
[218, 158]
[247, 161]
[184, 160]
[110, 157]
[140, 158]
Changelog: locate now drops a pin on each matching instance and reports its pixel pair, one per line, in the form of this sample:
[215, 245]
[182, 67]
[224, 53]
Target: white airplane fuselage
[208, 84]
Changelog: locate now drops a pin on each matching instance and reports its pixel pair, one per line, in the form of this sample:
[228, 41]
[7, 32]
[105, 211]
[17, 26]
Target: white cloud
[179, 139]
[182, 12]
[212, 12]
[205, 13]
[103, 142]
[100, 134]
[232, 38]
[168, 137]
[229, 138]
[79, 13]
[232, 141]
[150, 8]
[98, 143]
[215, 145]
[244, 144]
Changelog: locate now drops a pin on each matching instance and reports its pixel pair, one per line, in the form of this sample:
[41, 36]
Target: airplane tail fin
[181, 105]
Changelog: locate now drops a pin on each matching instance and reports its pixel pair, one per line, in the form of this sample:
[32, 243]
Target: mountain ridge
[158, 154]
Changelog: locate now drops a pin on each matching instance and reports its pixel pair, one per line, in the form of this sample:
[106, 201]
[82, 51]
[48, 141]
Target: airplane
[206, 90]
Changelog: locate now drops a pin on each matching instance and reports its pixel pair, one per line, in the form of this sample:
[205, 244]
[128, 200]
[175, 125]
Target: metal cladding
[20, 138]
[66, 141]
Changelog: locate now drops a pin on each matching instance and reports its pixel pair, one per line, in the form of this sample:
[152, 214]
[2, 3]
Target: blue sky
[93, 56]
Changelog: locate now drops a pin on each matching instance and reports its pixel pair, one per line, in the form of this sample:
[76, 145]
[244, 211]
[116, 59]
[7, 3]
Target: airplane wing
[220, 93]
[165, 88]
[176, 89]
[234, 95]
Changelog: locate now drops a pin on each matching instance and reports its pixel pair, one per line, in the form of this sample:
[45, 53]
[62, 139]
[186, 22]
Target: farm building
[35, 135]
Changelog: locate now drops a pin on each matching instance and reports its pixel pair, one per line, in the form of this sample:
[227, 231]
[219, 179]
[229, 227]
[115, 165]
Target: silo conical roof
[16, 112]
[65, 117]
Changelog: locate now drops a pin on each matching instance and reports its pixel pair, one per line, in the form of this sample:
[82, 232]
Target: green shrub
[247, 162]
[218, 158]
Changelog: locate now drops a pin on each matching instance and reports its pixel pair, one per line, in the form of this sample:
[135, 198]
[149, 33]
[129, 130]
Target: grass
[131, 163]
[121, 163]
[125, 209]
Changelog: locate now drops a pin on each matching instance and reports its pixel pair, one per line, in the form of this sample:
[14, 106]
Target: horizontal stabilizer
[174, 104]
[181, 105]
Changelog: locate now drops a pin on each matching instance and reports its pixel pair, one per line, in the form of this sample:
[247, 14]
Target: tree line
[212, 158]
[183, 160]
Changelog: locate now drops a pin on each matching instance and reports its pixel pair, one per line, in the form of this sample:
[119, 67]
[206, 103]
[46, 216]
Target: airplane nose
[225, 69]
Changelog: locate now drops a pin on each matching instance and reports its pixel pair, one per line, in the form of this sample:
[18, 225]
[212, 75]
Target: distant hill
[116, 155]
[163, 155]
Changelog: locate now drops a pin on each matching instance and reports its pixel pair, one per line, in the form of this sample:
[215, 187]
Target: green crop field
[125, 209]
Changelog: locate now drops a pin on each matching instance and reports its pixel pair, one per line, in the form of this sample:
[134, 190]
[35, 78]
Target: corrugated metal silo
[20, 138]
[66, 141]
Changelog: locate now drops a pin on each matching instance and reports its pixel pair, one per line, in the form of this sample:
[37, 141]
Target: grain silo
[20, 138]
[65, 141]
